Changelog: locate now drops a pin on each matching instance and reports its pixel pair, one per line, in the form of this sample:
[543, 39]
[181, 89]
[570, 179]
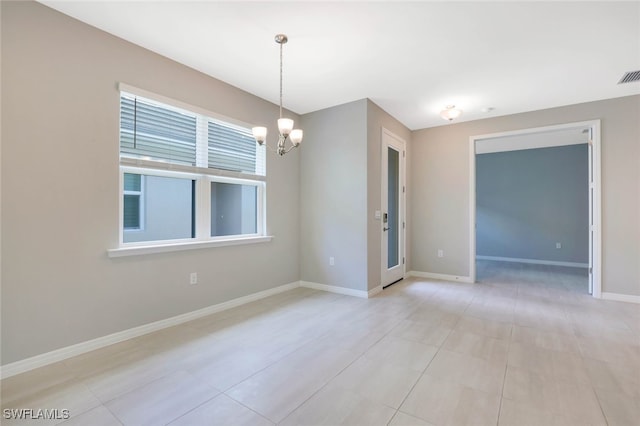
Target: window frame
[260, 207]
[203, 177]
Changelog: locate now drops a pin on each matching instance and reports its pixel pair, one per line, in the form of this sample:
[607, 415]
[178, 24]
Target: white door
[393, 208]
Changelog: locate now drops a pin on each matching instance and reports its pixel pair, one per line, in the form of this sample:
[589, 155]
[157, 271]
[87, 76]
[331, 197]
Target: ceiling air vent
[630, 77]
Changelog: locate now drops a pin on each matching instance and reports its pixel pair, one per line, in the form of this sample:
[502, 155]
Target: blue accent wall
[528, 200]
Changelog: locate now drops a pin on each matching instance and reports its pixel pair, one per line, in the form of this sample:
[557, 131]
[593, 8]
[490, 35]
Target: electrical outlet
[193, 278]
[558, 245]
[440, 253]
[332, 261]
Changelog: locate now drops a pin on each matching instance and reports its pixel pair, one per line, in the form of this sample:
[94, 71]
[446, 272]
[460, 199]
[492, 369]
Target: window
[186, 175]
[168, 206]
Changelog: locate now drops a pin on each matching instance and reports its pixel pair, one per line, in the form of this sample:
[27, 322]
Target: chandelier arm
[290, 148]
[280, 148]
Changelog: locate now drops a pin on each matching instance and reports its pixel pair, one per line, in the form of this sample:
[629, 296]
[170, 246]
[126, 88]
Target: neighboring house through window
[132, 202]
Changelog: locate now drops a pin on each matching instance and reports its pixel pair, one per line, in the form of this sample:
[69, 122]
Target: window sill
[191, 245]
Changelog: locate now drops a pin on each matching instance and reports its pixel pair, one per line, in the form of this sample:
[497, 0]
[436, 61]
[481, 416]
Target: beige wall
[333, 196]
[60, 108]
[440, 188]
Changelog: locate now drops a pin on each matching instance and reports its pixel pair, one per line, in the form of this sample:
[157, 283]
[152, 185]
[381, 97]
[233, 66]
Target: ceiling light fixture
[285, 125]
[450, 112]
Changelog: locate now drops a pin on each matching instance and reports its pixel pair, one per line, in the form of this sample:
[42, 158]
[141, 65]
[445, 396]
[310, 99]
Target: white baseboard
[374, 291]
[620, 297]
[41, 360]
[335, 289]
[443, 277]
[534, 261]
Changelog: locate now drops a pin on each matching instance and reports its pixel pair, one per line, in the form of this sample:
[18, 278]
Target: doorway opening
[581, 137]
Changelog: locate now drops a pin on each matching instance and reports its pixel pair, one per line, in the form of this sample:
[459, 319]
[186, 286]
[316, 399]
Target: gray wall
[340, 192]
[333, 196]
[440, 188]
[60, 114]
[528, 200]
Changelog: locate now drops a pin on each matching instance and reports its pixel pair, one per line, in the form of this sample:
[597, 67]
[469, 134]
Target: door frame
[595, 209]
[403, 204]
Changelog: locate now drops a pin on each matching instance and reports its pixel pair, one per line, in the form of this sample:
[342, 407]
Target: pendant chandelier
[285, 125]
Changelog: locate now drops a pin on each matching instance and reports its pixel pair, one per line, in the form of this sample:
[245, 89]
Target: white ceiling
[411, 59]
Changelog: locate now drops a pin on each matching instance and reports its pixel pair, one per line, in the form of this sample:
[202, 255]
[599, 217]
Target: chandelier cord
[280, 80]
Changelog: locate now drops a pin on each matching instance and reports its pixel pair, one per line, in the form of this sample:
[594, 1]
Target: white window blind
[231, 148]
[152, 130]
[158, 132]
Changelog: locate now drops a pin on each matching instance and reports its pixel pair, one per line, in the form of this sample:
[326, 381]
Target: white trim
[542, 129]
[374, 291]
[620, 297]
[41, 360]
[186, 245]
[335, 289]
[596, 260]
[472, 209]
[554, 138]
[443, 277]
[154, 166]
[597, 210]
[534, 261]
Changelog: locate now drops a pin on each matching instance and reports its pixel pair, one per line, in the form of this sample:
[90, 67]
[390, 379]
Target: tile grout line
[350, 364]
[323, 335]
[427, 367]
[506, 368]
[338, 373]
[192, 409]
[593, 388]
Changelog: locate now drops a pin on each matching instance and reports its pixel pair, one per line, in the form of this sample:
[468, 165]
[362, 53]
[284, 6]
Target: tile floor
[524, 346]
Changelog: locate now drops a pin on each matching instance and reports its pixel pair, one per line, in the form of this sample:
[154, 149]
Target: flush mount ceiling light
[285, 125]
[450, 112]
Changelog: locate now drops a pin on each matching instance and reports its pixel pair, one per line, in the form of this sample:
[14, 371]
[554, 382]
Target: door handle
[386, 229]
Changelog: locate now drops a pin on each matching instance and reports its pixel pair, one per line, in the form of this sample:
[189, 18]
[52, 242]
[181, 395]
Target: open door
[393, 208]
